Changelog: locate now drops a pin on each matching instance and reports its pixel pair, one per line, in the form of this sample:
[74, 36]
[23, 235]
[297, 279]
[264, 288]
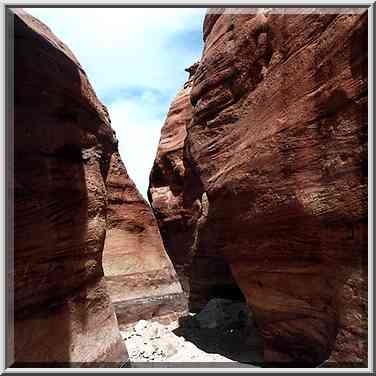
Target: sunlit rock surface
[63, 144]
[181, 211]
[141, 279]
[277, 154]
[169, 193]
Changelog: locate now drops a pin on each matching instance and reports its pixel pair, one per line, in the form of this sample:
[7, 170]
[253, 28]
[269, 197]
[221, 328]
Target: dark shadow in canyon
[232, 334]
[222, 322]
[221, 283]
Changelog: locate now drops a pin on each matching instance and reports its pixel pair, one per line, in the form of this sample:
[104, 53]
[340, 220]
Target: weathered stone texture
[169, 192]
[277, 146]
[63, 143]
[141, 279]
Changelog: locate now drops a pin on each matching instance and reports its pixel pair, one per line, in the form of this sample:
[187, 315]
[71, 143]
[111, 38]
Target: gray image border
[8, 137]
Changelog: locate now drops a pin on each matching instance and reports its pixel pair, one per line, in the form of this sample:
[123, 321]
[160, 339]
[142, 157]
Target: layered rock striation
[276, 149]
[63, 145]
[175, 196]
[141, 279]
[175, 204]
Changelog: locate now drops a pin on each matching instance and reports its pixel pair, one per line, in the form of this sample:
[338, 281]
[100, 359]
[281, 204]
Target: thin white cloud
[138, 132]
[123, 49]
[125, 46]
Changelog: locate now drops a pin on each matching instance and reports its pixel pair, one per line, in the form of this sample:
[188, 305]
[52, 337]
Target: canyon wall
[180, 210]
[140, 277]
[63, 143]
[168, 192]
[269, 176]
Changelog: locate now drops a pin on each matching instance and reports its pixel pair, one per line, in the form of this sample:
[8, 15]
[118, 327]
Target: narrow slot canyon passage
[221, 330]
[206, 204]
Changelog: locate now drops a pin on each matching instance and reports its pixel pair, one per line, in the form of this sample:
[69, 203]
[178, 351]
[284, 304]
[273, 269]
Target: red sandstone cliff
[179, 208]
[141, 279]
[168, 193]
[63, 144]
[277, 152]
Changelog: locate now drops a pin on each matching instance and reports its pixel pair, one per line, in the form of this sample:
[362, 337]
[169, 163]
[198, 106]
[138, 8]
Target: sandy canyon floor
[222, 334]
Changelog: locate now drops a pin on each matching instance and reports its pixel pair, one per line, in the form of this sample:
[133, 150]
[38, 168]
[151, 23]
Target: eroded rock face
[278, 148]
[169, 192]
[63, 144]
[141, 279]
[181, 212]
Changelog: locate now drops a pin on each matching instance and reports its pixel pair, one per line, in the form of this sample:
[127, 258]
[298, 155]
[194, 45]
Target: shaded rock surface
[169, 193]
[277, 152]
[141, 279]
[169, 197]
[180, 210]
[63, 144]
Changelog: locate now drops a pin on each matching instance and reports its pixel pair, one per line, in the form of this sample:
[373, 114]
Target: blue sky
[135, 60]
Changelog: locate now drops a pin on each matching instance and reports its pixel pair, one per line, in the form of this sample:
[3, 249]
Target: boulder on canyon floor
[63, 143]
[276, 150]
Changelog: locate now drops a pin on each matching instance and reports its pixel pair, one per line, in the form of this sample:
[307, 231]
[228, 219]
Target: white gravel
[150, 341]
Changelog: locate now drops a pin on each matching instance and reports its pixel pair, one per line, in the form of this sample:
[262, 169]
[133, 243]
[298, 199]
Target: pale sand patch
[215, 335]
